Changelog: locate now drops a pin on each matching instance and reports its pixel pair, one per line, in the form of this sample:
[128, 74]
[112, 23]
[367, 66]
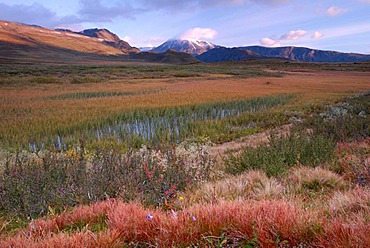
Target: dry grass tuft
[248, 185]
[317, 179]
[355, 201]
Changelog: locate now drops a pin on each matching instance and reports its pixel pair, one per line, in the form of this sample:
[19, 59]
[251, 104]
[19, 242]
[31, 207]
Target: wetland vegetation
[119, 155]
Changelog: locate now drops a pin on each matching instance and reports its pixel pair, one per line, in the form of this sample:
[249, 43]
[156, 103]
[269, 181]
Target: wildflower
[193, 218]
[174, 214]
[181, 198]
[149, 217]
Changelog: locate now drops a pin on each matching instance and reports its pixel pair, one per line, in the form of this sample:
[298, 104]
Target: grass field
[42, 102]
[118, 155]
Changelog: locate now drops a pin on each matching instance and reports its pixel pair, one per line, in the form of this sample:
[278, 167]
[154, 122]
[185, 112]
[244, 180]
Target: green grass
[100, 94]
[158, 126]
[345, 121]
[283, 154]
[34, 75]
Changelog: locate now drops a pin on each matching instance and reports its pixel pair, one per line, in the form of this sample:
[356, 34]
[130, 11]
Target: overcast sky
[342, 25]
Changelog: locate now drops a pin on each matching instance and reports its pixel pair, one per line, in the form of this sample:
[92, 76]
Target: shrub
[345, 121]
[282, 154]
[31, 185]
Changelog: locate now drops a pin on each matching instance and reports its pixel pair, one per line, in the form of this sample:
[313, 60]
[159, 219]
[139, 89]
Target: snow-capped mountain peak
[195, 47]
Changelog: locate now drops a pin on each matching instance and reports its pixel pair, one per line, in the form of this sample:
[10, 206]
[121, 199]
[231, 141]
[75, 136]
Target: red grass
[341, 233]
[270, 222]
[87, 213]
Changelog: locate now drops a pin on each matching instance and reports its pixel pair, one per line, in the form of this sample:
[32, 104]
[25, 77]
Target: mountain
[194, 47]
[228, 54]
[170, 56]
[110, 39]
[304, 54]
[301, 54]
[20, 43]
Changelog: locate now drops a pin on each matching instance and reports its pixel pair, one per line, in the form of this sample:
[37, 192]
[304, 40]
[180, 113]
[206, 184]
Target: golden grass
[315, 179]
[30, 109]
[254, 185]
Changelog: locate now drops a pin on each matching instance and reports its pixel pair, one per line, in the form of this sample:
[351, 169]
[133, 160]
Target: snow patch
[76, 35]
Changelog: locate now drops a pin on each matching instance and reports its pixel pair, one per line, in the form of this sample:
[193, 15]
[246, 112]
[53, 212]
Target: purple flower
[193, 218]
[149, 217]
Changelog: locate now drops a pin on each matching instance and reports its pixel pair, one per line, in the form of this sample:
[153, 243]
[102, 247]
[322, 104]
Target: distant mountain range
[208, 52]
[301, 54]
[23, 43]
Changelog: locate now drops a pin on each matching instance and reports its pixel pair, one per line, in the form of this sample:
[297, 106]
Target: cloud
[271, 2]
[293, 35]
[198, 4]
[155, 40]
[29, 14]
[90, 11]
[197, 34]
[35, 14]
[334, 11]
[269, 42]
[127, 39]
[95, 11]
[317, 35]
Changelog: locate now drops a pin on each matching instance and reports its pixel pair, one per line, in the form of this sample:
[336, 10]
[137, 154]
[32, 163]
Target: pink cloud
[269, 42]
[334, 11]
[293, 35]
[197, 34]
[317, 35]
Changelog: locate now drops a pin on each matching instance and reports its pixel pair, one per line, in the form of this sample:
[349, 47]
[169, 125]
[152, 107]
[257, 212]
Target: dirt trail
[218, 152]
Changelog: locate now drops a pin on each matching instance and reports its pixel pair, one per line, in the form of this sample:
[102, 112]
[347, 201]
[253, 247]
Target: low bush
[345, 121]
[282, 154]
[32, 185]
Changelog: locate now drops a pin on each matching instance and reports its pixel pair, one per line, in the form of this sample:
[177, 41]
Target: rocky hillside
[20, 43]
[110, 39]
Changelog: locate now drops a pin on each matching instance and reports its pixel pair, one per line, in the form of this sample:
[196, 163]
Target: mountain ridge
[301, 54]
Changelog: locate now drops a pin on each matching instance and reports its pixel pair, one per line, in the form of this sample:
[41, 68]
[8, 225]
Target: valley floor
[292, 170]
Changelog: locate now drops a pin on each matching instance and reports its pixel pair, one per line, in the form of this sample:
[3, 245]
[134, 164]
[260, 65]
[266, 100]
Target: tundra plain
[122, 155]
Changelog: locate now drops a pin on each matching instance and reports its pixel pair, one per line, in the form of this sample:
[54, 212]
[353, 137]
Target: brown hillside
[37, 36]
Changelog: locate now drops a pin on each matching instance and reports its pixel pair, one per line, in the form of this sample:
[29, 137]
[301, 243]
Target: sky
[340, 25]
